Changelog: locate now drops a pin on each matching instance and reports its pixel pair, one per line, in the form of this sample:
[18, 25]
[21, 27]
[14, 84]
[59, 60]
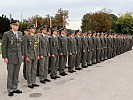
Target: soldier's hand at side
[27, 59]
[49, 55]
[6, 60]
[70, 53]
[61, 54]
[52, 55]
[38, 57]
[41, 57]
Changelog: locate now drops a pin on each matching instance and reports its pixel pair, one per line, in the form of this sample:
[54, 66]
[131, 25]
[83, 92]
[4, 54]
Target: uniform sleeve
[22, 46]
[48, 46]
[69, 46]
[4, 45]
[40, 49]
[51, 46]
[60, 47]
[25, 46]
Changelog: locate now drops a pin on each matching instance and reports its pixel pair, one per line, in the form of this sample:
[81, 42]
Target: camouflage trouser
[89, 57]
[43, 68]
[54, 63]
[78, 60]
[105, 53]
[12, 79]
[31, 69]
[84, 59]
[98, 52]
[102, 54]
[93, 56]
[71, 62]
[62, 63]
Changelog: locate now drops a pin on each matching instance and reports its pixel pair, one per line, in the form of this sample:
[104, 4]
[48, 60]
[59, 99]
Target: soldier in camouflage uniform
[12, 55]
[79, 49]
[32, 54]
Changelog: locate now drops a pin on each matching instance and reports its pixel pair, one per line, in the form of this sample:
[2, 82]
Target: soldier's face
[94, 34]
[88, 34]
[55, 33]
[48, 33]
[64, 33]
[32, 30]
[78, 33]
[72, 35]
[15, 27]
[44, 31]
[26, 32]
[38, 33]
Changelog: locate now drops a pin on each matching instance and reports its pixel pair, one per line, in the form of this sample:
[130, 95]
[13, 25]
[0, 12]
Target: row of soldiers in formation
[39, 49]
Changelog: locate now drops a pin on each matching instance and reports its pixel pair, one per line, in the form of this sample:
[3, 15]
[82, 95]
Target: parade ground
[108, 80]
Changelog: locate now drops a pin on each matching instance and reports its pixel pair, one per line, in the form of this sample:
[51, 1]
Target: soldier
[38, 33]
[98, 48]
[62, 52]
[26, 31]
[105, 47]
[108, 46]
[54, 51]
[130, 42]
[121, 41]
[114, 45]
[94, 48]
[72, 50]
[12, 55]
[44, 62]
[79, 49]
[90, 47]
[102, 46]
[84, 50]
[32, 53]
[49, 35]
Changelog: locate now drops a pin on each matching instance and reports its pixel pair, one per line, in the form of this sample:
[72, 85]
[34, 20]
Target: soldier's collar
[62, 35]
[43, 34]
[13, 31]
[54, 35]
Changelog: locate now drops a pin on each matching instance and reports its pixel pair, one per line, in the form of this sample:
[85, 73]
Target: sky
[76, 8]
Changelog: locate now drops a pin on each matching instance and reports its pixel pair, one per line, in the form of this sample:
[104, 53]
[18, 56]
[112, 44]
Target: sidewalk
[109, 80]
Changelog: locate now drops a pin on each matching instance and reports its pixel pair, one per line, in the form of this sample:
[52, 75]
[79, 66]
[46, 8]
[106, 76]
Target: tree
[86, 22]
[99, 22]
[114, 27]
[24, 25]
[125, 23]
[4, 24]
[59, 16]
[38, 21]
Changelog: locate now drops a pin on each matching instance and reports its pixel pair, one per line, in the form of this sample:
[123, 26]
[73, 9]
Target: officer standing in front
[12, 55]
